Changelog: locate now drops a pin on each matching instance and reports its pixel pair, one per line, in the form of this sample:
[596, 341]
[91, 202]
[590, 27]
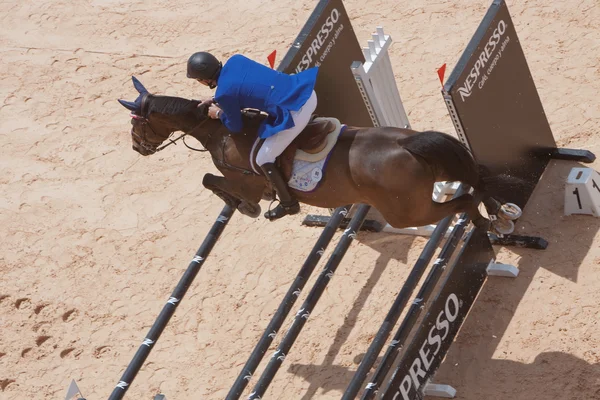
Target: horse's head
[155, 118]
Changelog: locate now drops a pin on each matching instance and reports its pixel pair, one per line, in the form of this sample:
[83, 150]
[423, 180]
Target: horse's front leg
[226, 191]
[215, 184]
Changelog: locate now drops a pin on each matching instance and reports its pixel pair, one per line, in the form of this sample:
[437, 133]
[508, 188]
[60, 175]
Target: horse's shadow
[390, 248]
[470, 366]
[544, 378]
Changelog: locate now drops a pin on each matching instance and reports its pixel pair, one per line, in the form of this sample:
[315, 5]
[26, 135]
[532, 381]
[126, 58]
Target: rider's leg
[272, 148]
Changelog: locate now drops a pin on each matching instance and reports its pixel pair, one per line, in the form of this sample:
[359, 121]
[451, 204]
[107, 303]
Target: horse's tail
[452, 161]
[449, 159]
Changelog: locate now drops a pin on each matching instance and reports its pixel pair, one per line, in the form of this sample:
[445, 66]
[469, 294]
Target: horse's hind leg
[431, 212]
[465, 203]
[492, 205]
[506, 211]
[502, 215]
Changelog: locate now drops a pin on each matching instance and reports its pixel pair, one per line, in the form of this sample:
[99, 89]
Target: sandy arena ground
[94, 237]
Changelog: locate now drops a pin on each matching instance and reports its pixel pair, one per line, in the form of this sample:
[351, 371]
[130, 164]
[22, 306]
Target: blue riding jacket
[244, 83]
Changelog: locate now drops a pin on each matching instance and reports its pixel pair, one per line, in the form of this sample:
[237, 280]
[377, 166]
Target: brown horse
[393, 170]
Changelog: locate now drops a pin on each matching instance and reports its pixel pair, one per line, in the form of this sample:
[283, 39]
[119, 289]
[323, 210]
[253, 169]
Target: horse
[391, 169]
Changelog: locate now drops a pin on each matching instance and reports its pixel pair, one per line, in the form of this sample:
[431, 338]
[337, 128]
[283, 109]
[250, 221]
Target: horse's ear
[131, 106]
[138, 85]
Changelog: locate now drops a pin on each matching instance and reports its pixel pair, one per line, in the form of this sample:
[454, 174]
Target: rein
[143, 141]
[172, 141]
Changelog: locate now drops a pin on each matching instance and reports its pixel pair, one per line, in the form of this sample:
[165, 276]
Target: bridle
[145, 122]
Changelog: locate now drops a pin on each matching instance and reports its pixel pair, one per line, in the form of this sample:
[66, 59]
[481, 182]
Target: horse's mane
[171, 105]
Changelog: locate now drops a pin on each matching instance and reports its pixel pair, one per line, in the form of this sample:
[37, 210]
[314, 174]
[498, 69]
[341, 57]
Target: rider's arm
[230, 114]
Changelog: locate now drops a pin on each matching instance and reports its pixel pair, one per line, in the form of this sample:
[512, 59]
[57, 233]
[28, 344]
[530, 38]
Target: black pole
[415, 309]
[169, 308]
[310, 302]
[288, 301]
[399, 303]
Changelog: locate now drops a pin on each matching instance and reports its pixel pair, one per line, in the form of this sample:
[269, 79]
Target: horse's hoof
[249, 209]
[510, 212]
[503, 226]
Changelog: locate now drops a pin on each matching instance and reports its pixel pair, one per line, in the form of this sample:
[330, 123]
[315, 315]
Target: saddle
[311, 140]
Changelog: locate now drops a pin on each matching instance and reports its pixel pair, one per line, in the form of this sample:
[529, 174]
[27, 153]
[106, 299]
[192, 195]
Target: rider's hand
[214, 112]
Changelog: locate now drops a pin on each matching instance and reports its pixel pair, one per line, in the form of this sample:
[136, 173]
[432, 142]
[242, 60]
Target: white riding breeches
[274, 145]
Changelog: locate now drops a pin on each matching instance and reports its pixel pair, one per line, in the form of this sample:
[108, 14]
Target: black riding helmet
[203, 65]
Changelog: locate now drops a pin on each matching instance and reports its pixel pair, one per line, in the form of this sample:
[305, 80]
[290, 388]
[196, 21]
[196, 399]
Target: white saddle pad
[307, 169]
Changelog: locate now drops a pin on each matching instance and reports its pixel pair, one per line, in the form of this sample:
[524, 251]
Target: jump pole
[311, 300]
[415, 309]
[400, 302]
[169, 308]
[439, 231]
[287, 303]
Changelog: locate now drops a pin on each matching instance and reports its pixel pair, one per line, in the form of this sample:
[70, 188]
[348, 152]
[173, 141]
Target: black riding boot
[288, 204]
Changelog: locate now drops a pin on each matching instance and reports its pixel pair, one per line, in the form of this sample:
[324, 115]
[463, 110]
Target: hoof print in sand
[5, 382]
[41, 340]
[69, 351]
[101, 351]
[69, 315]
[22, 303]
[45, 322]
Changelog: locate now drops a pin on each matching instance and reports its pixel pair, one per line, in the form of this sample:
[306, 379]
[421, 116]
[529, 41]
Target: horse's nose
[139, 149]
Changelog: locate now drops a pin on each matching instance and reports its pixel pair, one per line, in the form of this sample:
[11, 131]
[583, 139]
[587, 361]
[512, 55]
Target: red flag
[441, 71]
[271, 58]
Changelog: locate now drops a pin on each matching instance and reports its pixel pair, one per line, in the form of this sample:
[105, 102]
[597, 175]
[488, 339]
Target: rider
[289, 100]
